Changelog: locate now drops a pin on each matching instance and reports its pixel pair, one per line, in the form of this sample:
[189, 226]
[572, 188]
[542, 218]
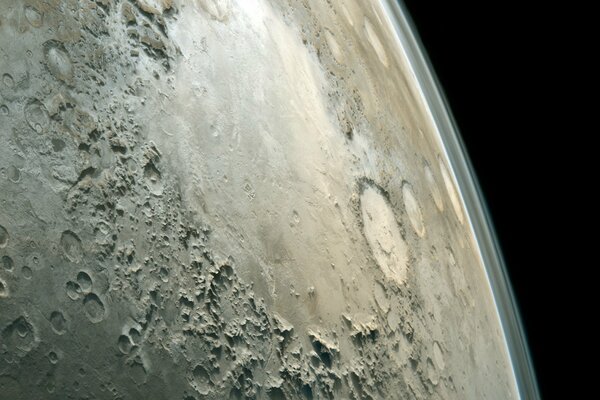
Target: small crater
[4, 237]
[138, 373]
[124, 344]
[135, 336]
[3, 289]
[128, 14]
[52, 357]
[26, 272]
[19, 335]
[376, 42]
[335, 48]
[438, 356]
[13, 174]
[4, 110]
[7, 263]
[451, 189]
[249, 189]
[434, 188]
[432, 373]
[381, 298]
[58, 60]
[201, 380]
[51, 387]
[102, 229]
[58, 322]
[34, 17]
[94, 308]
[132, 166]
[451, 257]
[153, 179]
[84, 281]
[413, 209]
[73, 290]
[71, 246]
[36, 115]
[217, 9]
[164, 275]
[8, 81]
[347, 14]
[156, 7]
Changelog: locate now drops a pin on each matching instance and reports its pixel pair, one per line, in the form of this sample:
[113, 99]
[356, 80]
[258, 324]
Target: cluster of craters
[111, 285]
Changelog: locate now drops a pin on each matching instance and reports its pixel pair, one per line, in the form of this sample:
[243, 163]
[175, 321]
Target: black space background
[499, 66]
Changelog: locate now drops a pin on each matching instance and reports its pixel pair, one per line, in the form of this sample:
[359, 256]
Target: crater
[34, 17]
[52, 357]
[124, 344]
[27, 272]
[334, 46]
[71, 246]
[413, 210]
[383, 234]
[381, 298]
[73, 290]
[36, 116]
[137, 372]
[135, 336]
[452, 193]
[434, 188]
[156, 7]
[19, 335]
[58, 322]
[153, 179]
[432, 373]
[376, 42]
[4, 236]
[84, 281]
[3, 289]
[347, 15]
[13, 174]
[58, 61]
[217, 9]
[438, 356]
[8, 81]
[164, 274]
[94, 308]
[201, 380]
[7, 263]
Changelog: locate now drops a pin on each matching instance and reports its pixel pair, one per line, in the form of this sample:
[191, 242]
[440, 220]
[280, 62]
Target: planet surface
[232, 199]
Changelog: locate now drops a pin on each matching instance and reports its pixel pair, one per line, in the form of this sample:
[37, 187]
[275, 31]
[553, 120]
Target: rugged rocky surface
[229, 199]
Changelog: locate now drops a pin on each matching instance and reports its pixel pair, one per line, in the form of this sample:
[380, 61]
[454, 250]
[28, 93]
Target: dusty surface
[229, 199]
